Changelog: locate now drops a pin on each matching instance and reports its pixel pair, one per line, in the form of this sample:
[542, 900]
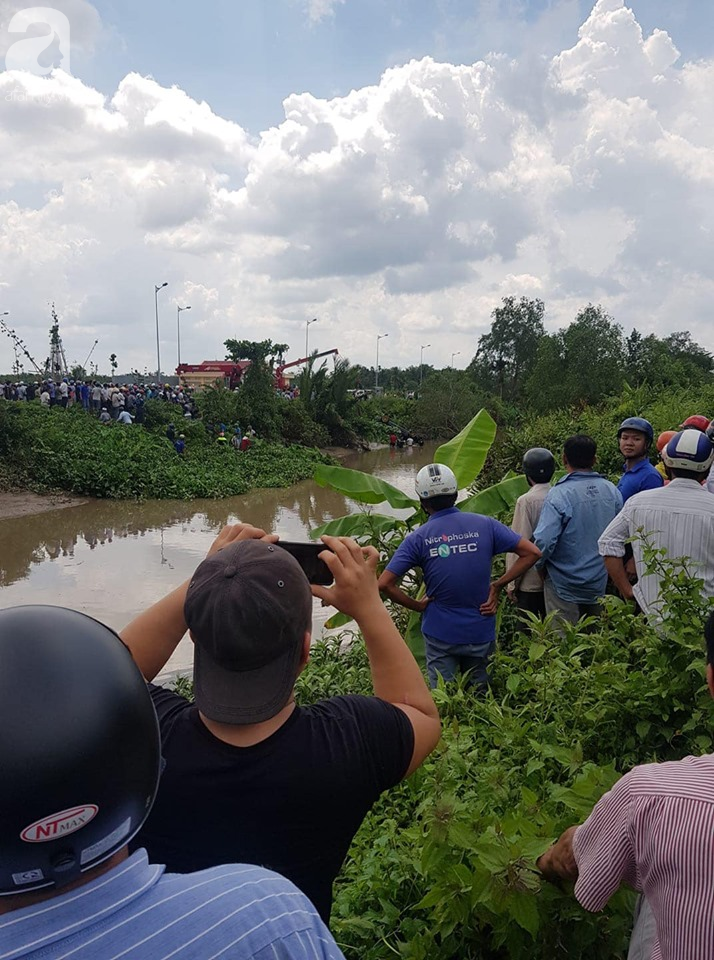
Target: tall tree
[583, 363]
[506, 355]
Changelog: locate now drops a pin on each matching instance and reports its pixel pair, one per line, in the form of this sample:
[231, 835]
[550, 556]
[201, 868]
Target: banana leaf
[337, 620]
[493, 500]
[356, 525]
[466, 452]
[362, 487]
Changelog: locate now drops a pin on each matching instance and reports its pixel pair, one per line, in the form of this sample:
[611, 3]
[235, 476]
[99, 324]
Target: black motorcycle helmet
[79, 751]
[539, 464]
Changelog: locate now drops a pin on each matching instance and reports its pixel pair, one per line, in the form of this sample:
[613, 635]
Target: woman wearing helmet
[635, 436]
[80, 758]
[662, 441]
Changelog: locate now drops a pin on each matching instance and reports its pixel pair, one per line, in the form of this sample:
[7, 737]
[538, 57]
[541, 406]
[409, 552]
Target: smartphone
[306, 554]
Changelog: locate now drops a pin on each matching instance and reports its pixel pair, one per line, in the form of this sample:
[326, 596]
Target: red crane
[281, 383]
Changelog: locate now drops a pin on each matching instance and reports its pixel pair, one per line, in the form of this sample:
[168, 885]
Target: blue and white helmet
[689, 450]
[435, 480]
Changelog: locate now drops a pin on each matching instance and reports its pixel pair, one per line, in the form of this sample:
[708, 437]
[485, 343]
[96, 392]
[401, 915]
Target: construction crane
[280, 381]
[19, 345]
[89, 355]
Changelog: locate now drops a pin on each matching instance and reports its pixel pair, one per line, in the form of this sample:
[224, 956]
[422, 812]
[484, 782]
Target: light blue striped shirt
[135, 912]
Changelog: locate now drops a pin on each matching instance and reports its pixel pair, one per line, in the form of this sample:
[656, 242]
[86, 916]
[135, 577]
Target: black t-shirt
[291, 803]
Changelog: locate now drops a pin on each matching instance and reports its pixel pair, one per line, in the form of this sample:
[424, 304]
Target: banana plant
[465, 454]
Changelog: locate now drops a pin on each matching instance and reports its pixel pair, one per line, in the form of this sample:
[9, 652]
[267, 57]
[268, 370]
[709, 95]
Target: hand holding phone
[307, 555]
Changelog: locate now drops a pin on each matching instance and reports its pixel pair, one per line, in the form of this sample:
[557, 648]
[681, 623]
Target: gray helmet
[79, 751]
[539, 464]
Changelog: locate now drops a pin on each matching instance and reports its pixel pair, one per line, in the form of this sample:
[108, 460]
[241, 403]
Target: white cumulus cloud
[410, 206]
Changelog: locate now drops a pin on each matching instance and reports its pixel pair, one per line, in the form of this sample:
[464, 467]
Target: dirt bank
[28, 504]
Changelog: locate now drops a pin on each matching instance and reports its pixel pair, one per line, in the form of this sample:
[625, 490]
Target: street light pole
[178, 332]
[158, 347]
[380, 336]
[421, 361]
[307, 333]
[452, 358]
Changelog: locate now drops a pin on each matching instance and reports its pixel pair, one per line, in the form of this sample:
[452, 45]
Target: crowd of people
[107, 401]
[138, 824]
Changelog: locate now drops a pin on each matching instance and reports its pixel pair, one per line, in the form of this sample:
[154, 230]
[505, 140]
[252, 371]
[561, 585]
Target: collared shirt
[710, 481]
[678, 518]
[642, 476]
[134, 913]
[575, 512]
[655, 832]
[525, 519]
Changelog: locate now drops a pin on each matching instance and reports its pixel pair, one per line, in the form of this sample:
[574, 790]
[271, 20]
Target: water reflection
[113, 559]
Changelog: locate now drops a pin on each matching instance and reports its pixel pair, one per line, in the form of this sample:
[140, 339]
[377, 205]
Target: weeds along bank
[444, 866]
[70, 450]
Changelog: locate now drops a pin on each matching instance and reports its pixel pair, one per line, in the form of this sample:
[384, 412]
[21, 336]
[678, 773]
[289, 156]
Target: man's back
[655, 831]
[291, 803]
[455, 551]
[678, 518]
[526, 515]
[576, 511]
[135, 913]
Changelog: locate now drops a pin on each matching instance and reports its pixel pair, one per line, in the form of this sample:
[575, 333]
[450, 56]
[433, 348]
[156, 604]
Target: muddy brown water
[113, 559]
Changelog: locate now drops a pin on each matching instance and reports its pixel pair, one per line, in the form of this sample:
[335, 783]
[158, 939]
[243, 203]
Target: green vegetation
[444, 865]
[71, 451]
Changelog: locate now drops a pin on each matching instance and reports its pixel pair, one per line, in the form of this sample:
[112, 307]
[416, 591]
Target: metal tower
[57, 362]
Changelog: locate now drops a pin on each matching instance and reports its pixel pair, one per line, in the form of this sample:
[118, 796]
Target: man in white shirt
[678, 518]
[539, 467]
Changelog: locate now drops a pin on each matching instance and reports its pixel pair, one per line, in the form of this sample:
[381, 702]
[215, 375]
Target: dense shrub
[443, 868]
[68, 450]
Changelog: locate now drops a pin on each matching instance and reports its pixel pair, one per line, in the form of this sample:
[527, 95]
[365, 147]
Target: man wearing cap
[678, 518]
[635, 437]
[455, 550]
[250, 776]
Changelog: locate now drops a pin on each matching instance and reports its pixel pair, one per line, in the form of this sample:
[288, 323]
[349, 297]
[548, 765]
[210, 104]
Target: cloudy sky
[387, 166]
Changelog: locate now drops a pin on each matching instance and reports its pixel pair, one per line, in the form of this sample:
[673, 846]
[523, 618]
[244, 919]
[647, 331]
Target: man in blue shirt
[80, 756]
[455, 551]
[635, 438]
[576, 511]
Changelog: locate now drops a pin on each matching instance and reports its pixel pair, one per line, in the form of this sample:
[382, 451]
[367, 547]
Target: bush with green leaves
[71, 451]
[443, 868]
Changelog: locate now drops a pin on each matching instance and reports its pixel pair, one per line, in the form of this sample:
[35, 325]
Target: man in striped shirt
[655, 832]
[80, 756]
[678, 518]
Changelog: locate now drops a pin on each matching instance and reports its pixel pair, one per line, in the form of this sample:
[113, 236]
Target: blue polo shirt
[575, 512]
[455, 551]
[135, 912]
[643, 476]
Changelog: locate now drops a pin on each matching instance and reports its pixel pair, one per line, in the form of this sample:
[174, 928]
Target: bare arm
[618, 574]
[389, 586]
[154, 635]
[528, 554]
[396, 676]
[558, 862]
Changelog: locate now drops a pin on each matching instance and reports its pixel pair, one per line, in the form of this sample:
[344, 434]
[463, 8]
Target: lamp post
[452, 358]
[421, 361]
[307, 333]
[158, 347]
[380, 336]
[178, 332]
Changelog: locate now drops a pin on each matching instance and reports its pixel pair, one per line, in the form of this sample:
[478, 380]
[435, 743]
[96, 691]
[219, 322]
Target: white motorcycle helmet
[435, 480]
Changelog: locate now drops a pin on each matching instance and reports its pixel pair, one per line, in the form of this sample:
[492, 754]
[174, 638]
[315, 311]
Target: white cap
[435, 480]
